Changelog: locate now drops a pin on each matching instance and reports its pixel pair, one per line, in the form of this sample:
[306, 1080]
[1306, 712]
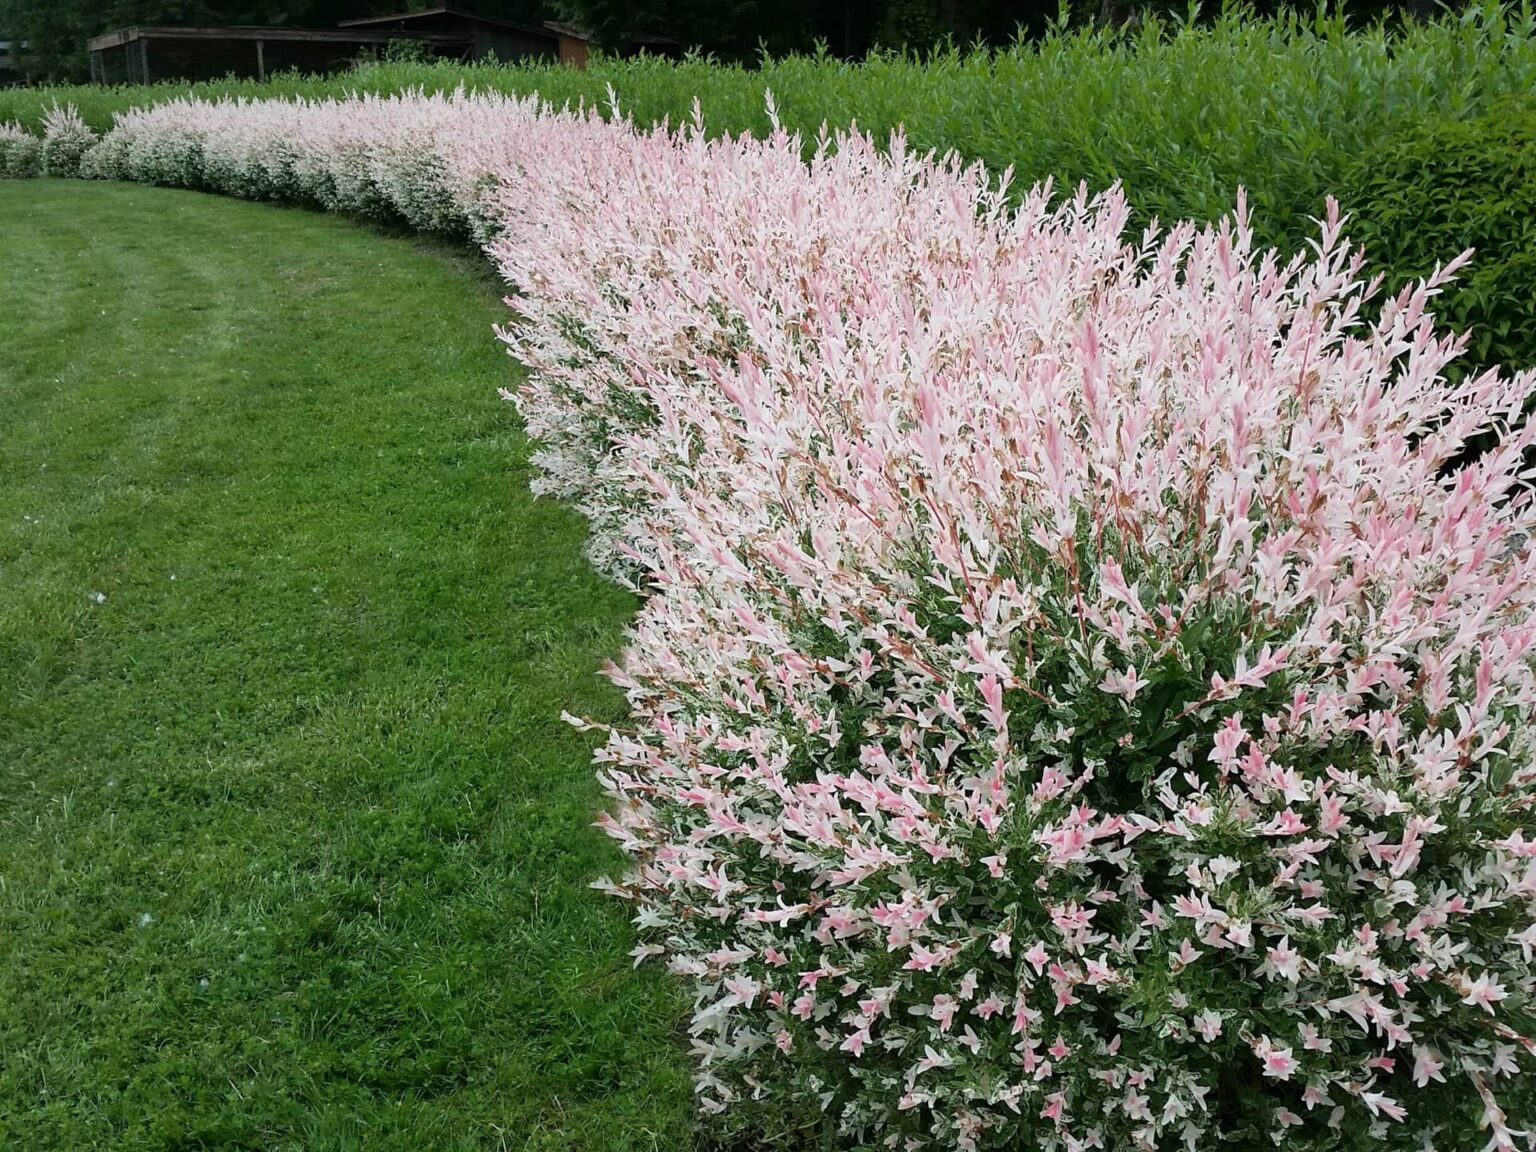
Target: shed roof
[562, 29]
[444, 10]
[257, 32]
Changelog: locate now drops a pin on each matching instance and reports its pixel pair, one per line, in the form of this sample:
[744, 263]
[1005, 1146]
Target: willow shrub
[66, 140]
[1082, 702]
[20, 152]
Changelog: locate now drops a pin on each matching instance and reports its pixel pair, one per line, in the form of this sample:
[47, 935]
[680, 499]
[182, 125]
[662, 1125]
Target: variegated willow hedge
[1085, 688]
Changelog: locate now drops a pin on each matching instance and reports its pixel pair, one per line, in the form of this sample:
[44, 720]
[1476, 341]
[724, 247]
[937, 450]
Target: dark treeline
[55, 31]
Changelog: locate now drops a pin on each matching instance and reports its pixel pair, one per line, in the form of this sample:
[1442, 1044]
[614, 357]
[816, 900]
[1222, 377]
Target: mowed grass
[294, 847]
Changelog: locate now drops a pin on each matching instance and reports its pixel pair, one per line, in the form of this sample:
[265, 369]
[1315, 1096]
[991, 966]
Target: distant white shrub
[66, 139]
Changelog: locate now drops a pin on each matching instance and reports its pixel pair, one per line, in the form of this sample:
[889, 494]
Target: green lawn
[294, 848]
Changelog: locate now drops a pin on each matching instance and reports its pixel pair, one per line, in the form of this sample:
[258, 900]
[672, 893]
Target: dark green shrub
[1422, 196]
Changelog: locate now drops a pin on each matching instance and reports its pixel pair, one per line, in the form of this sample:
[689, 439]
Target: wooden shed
[143, 55]
[574, 44]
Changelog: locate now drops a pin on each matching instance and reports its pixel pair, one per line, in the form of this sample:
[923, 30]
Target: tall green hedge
[1422, 196]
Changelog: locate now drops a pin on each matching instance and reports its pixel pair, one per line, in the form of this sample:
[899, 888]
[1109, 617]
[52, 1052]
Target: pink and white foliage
[710, 239]
[20, 152]
[1082, 693]
[422, 159]
[1085, 694]
[66, 139]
